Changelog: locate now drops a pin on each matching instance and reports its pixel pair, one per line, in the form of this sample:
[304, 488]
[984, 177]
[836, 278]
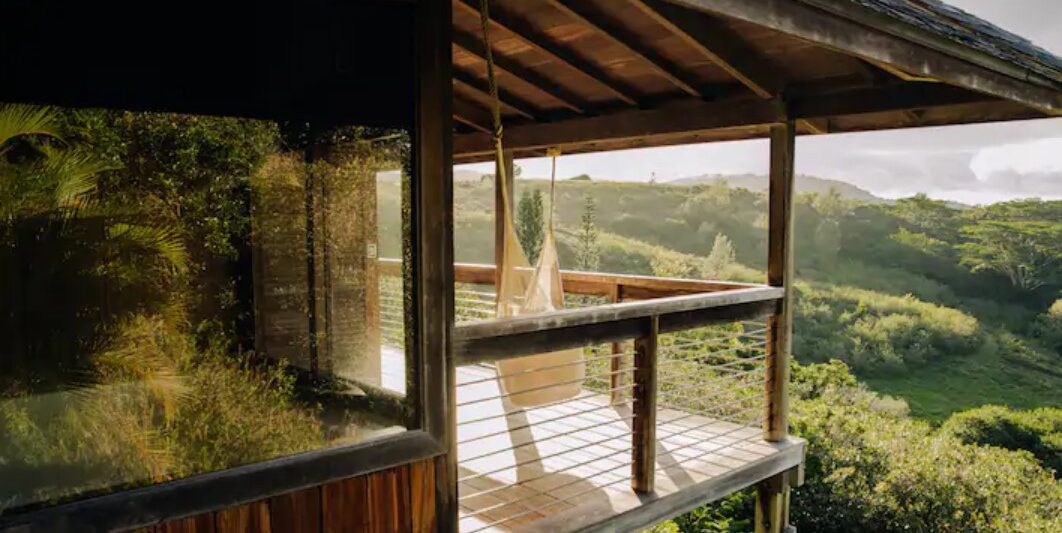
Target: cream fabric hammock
[539, 291]
[543, 378]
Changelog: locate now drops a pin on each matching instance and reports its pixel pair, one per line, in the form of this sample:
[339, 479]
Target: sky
[974, 164]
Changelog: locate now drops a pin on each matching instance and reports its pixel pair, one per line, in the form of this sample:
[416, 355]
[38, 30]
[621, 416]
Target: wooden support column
[643, 436]
[772, 496]
[499, 212]
[432, 246]
[617, 379]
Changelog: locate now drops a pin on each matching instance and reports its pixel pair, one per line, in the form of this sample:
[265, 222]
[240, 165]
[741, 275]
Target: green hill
[804, 185]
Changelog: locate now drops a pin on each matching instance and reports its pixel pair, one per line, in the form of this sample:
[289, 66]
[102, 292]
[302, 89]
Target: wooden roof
[589, 75]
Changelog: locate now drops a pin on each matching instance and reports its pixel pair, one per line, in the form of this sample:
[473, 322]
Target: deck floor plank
[521, 468]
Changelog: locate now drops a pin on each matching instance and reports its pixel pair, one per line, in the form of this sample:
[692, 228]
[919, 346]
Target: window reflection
[182, 294]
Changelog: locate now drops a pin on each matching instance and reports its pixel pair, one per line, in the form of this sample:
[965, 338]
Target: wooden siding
[399, 499]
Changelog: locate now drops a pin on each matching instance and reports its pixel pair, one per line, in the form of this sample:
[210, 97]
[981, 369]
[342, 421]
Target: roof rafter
[700, 116]
[541, 42]
[471, 115]
[719, 43]
[505, 98]
[475, 47]
[722, 46]
[665, 67]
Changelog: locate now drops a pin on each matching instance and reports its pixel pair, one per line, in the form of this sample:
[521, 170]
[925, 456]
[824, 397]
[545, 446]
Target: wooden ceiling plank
[506, 98]
[541, 42]
[629, 42]
[705, 116]
[474, 46]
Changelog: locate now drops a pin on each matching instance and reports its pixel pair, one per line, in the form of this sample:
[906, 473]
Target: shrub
[1048, 327]
[874, 332]
[871, 469]
[1038, 431]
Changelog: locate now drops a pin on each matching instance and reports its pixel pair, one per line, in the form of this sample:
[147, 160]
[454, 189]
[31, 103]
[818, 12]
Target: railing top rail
[594, 283]
[503, 338]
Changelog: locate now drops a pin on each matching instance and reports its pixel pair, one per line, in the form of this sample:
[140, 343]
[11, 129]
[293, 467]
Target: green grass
[940, 388]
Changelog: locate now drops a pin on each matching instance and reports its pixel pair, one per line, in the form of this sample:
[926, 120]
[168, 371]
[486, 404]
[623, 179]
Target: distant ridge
[804, 184]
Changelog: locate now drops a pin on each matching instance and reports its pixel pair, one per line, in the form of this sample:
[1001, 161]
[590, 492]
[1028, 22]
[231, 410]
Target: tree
[721, 257]
[1027, 252]
[932, 217]
[530, 224]
[65, 247]
[587, 252]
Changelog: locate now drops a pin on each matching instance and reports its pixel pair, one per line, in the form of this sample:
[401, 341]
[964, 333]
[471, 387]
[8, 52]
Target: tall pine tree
[587, 252]
[530, 224]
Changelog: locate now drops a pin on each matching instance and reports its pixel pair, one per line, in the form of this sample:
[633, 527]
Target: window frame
[431, 239]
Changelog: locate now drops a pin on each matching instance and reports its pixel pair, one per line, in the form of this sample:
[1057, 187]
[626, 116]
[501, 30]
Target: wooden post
[432, 241]
[499, 212]
[772, 496]
[643, 436]
[617, 379]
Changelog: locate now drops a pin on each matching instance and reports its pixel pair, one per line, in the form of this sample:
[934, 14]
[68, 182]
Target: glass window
[182, 294]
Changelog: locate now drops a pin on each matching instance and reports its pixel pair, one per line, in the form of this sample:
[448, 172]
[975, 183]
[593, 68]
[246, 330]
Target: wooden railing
[616, 287]
[639, 307]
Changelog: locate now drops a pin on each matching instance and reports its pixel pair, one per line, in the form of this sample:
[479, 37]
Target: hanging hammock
[520, 294]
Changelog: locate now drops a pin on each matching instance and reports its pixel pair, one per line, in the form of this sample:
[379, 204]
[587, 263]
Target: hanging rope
[495, 108]
[553, 153]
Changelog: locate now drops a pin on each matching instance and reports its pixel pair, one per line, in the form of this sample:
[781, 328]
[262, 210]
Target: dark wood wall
[400, 499]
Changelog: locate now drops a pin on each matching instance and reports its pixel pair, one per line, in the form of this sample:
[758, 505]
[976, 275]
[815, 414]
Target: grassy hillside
[883, 287]
[804, 184]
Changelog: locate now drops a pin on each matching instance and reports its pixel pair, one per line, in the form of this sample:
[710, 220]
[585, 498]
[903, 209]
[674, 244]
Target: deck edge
[632, 513]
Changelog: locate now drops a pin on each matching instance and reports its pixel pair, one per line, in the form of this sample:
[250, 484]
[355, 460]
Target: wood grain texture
[249, 518]
[643, 437]
[422, 496]
[389, 501]
[345, 505]
[203, 523]
[296, 512]
[779, 274]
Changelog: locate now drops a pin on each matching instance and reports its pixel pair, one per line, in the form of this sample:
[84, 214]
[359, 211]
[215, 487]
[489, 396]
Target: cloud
[1036, 157]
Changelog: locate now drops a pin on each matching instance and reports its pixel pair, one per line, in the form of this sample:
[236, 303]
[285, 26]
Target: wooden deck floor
[553, 468]
[567, 466]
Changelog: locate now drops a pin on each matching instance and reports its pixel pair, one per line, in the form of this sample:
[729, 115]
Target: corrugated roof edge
[955, 32]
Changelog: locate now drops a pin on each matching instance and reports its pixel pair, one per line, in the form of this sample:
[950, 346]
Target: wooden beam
[772, 495]
[714, 40]
[629, 42]
[706, 116]
[779, 274]
[1038, 75]
[865, 39]
[721, 45]
[474, 46]
[507, 99]
[471, 115]
[542, 42]
[499, 339]
[643, 426]
[816, 126]
[617, 378]
[431, 243]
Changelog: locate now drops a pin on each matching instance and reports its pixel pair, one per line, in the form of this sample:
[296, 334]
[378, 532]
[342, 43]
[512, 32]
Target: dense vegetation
[123, 323]
[909, 303]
